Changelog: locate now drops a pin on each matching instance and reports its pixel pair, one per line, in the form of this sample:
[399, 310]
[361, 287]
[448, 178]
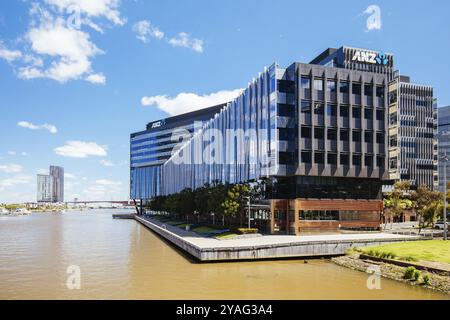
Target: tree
[218, 194]
[235, 201]
[397, 201]
[426, 202]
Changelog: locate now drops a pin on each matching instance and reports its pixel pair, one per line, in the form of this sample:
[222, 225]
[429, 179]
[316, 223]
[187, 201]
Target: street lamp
[248, 202]
[445, 158]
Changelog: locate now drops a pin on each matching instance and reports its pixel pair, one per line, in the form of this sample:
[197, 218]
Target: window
[305, 132]
[356, 160]
[286, 86]
[393, 163]
[345, 159]
[344, 111]
[331, 110]
[305, 83]
[380, 115]
[332, 134]
[393, 141]
[356, 136]
[318, 84]
[306, 156]
[331, 86]
[305, 107]
[343, 87]
[368, 161]
[319, 133]
[380, 137]
[286, 134]
[318, 108]
[393, 118]
[368, 114]
[286, 110]
[356, 88]
[368, 136]
[380, 161]
[344, 135]
[356, 112]
[319, 158]
[332, 158]
[380, 92]
[368, 90]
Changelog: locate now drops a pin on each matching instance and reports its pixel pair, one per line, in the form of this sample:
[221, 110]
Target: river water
[121, 259]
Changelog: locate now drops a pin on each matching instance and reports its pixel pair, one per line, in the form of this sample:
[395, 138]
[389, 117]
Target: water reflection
[120, 259]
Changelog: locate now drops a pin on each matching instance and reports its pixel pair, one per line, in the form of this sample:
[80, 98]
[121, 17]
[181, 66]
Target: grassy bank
[428, 250]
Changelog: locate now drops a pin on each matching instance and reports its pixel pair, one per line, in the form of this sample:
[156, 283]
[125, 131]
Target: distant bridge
[128, 202]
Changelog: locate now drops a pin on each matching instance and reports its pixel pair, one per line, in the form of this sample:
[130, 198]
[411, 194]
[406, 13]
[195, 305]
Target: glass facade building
[44, 188]
[317, 134]
[443, 142]
[50, 188]
[149, 149]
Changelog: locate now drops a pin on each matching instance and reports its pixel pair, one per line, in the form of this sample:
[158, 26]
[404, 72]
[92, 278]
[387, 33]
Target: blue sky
[78, 76]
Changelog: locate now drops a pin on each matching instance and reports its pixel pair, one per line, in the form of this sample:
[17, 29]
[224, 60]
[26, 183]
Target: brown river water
[121, 259]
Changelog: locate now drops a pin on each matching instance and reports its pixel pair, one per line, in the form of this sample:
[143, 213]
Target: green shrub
[248, 230]
[409, 273]
[416, 275]
[426, 279]
[409, 259]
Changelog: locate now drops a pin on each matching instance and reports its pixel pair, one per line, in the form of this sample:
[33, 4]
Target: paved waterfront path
[274, 240]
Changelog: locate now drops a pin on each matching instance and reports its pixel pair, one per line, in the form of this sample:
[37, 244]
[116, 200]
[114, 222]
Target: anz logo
[371, 57]
[158, 124]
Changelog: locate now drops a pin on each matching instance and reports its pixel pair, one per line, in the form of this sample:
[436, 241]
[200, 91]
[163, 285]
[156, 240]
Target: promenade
[267, 246]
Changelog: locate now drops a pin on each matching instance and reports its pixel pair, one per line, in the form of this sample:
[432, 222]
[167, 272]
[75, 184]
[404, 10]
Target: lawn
[203, 229]
[430, 250]
[226, 235]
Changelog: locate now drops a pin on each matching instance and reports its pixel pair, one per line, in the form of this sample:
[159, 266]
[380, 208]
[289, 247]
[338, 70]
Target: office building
[315, 133]
[443, 142]
[412, 133]
[58, 183]
[44, 188]
[150, 148]
[50, 188]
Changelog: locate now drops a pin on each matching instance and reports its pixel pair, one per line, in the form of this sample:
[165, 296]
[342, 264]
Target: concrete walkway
[267, 240]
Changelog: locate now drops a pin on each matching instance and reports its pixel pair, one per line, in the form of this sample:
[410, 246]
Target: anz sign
[371, 57]
[157, 124]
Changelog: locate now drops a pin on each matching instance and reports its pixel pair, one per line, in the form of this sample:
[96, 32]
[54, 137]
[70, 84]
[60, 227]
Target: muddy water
[120, 259]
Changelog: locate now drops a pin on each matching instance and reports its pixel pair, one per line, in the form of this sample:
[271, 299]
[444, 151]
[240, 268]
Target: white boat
[3, 212]
[22, 211]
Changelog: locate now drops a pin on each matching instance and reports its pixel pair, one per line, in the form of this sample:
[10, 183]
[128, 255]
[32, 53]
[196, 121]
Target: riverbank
[437, 282]
[207, 249]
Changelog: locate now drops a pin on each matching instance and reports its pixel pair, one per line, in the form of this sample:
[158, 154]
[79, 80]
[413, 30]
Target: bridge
[125, 203]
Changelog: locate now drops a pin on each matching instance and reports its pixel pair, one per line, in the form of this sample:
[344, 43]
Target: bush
[426, 279]
[248, 230]
[416, 275]
[409, 273]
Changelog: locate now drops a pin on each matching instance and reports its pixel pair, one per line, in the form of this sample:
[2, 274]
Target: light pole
[248, 203]
[445, 158]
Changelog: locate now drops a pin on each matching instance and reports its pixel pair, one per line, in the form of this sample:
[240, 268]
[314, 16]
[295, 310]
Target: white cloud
[184, 40]
[70, 50]
[12, 153]
[24, 154]
[96, 78]
[145, 30]
[55, 46]
[42, 171]
[69, 175]
[92, 8]
[106, 182]
[11, 168]
[18, 179]
[25, 124]
[107, 163]
[186, 102]
[80, 149]
[9, 55]
[374, 19]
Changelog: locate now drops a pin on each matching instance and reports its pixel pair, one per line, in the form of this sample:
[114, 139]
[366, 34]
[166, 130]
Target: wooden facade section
[353, 214]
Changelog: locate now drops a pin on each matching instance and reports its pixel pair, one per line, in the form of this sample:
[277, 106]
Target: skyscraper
[58, 183]
[50, 187]
[44, 188]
